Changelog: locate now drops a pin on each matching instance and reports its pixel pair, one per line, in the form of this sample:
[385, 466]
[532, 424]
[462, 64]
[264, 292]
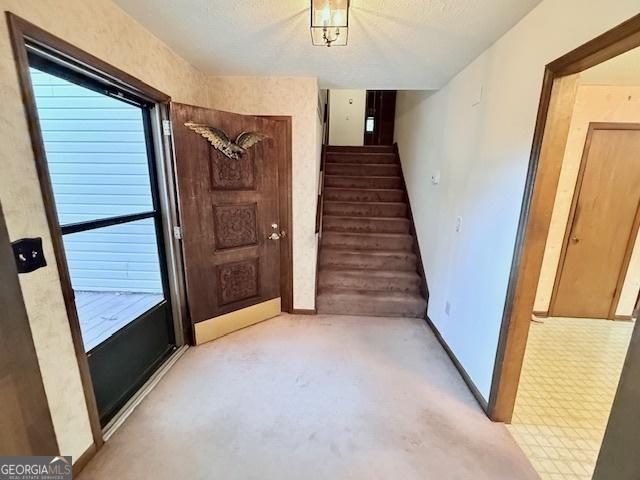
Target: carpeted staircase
[367, 263]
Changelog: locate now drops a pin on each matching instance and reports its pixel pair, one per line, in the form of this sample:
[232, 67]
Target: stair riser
[363, 170]
[365, 225]
[382, 159]
[363, 195]
[327, 305]
[337, 259]
[358, 242]
[338, 279]
[362, 182]
[365, 210]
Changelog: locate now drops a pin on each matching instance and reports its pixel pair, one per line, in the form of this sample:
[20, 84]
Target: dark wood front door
[603, 224]
[26, 422]
[229, 216]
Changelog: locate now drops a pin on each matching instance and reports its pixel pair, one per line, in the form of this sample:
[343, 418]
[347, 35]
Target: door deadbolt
[276, 235]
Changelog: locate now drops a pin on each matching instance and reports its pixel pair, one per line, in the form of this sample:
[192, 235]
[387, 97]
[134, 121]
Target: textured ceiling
[394, 44]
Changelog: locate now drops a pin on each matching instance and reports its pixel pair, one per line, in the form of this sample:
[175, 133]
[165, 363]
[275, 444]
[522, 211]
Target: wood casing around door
[285, 201]
[23, 35]
[537, 205]
[381, 105]
[602, 226]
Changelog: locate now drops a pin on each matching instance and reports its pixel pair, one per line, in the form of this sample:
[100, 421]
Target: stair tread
[352, 217]
[361, 191]
[376, 295]
[369, 234]
[370, 273]
[368, 241]
[366, 189]
[361, 165]
[352, 202]
[372, 177]
[358, 153]
[374, 253]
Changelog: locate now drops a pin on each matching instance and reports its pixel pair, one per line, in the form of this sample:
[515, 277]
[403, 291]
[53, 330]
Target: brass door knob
[277, 236]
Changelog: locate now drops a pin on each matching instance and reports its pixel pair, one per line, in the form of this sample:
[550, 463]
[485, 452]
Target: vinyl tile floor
[569, 379]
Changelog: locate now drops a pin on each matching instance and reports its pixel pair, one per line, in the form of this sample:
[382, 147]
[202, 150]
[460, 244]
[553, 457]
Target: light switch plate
[28, 254]
[458, 223]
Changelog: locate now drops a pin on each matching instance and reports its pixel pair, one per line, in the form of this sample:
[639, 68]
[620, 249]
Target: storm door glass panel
[96, 151]
[98, 160]
[115, 273]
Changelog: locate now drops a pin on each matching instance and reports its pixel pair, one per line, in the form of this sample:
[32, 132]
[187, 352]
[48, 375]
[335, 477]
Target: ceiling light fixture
[329, 22]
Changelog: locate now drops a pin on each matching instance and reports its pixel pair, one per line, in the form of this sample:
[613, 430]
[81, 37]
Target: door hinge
[166, 128]
[177, 232]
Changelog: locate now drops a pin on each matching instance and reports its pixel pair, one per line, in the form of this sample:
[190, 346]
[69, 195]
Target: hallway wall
[346, 117]
[104, 30]
[477, 131]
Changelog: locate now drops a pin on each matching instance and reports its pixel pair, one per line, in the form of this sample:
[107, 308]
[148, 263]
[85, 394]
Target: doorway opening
[573, 298]
[380, 117]
[101, 165]
[359, 118]
[107, 193]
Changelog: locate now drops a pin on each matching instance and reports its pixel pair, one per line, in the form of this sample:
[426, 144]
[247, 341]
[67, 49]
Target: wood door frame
[535, 217]
[285, 206]
[23, 34]
[593, 126]
[379, 99]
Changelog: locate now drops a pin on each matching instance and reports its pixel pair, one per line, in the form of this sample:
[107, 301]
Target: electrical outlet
[447, 308]
[477, 96]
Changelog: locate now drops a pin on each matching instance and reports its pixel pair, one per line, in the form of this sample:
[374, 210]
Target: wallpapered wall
[104, 30]
[298, 97]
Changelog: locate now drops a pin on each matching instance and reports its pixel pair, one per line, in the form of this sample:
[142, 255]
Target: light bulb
[326, 14]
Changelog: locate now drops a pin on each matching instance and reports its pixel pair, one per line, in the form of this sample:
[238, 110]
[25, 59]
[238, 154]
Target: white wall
[594, 103]
[477, 130]
[346, 117]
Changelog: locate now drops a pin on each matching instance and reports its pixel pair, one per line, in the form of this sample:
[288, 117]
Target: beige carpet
[313, 397]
